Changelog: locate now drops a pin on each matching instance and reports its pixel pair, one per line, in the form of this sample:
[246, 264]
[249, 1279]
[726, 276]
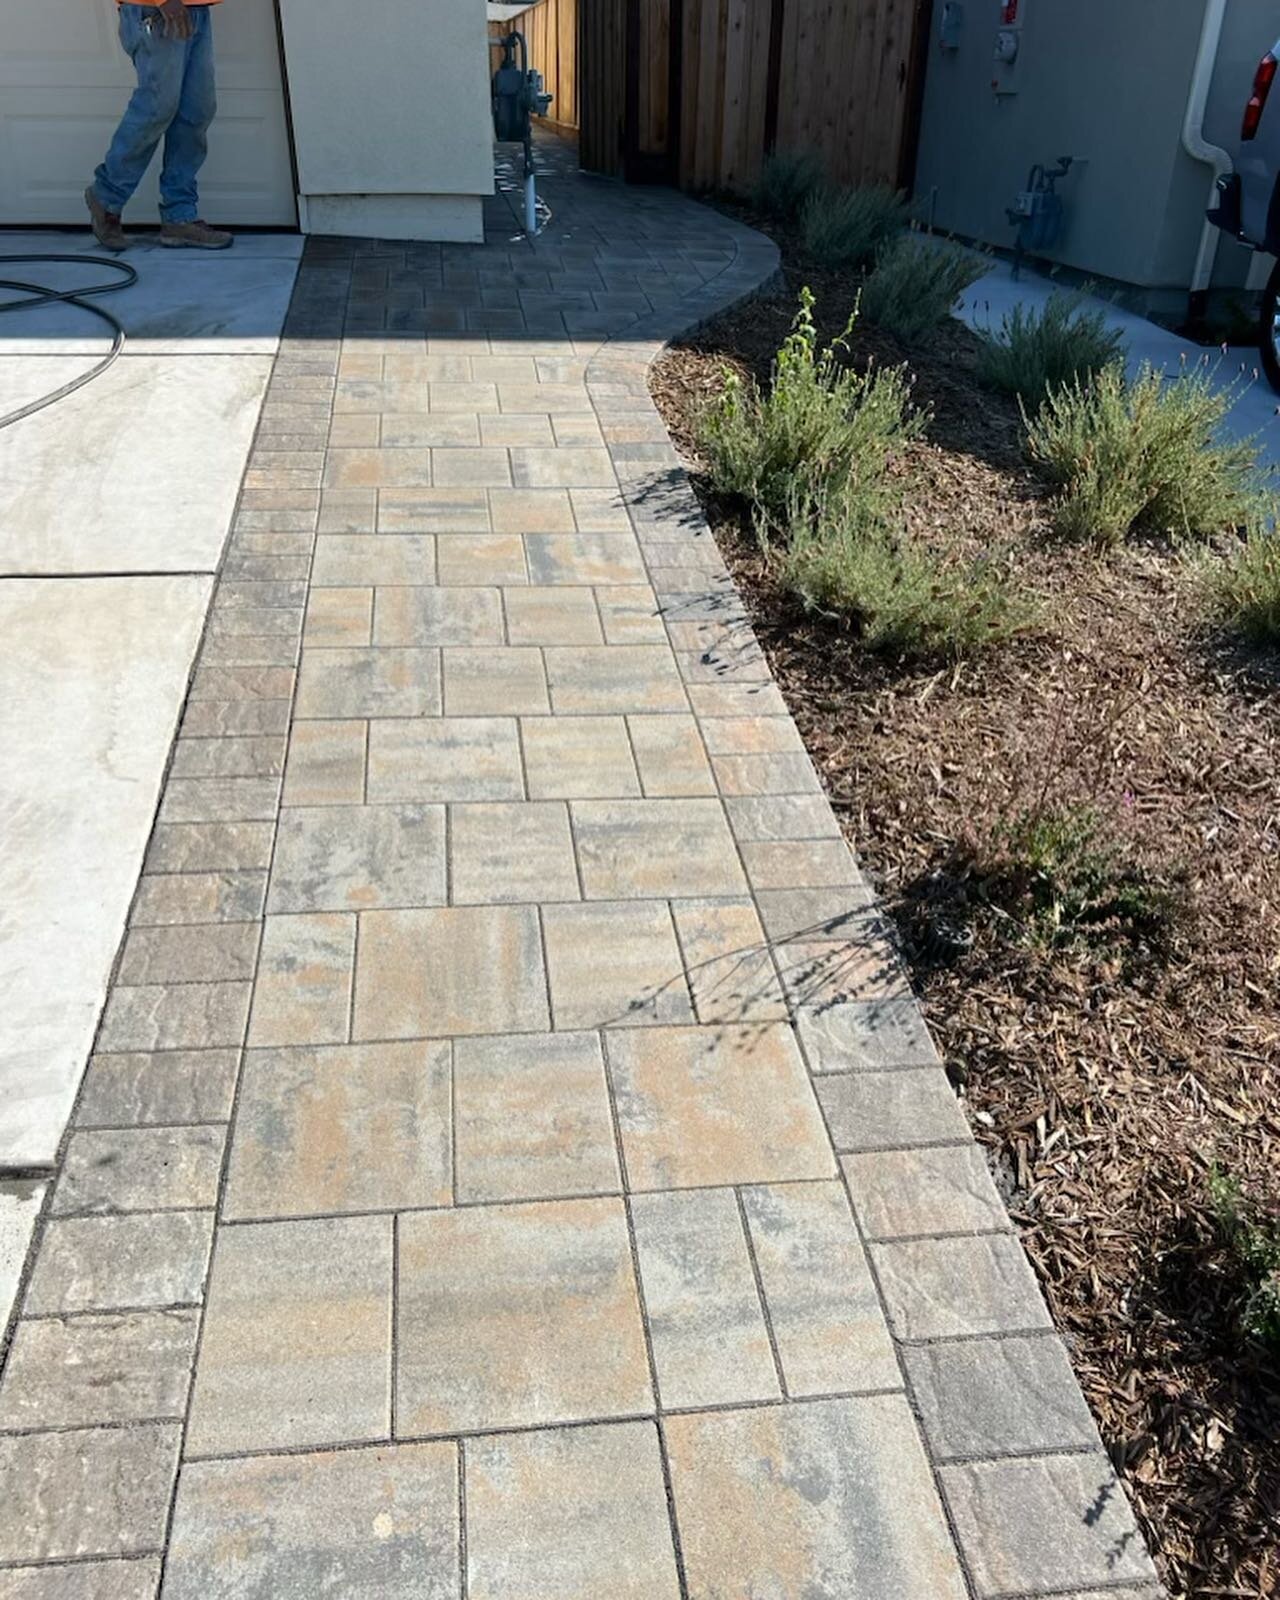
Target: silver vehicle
[1249, 198]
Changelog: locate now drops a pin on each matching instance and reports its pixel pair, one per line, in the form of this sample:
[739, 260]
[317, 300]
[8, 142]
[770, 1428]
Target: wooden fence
[699, 91]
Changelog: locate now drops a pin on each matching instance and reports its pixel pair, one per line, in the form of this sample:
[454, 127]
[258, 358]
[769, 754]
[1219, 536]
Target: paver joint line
[509, 1090]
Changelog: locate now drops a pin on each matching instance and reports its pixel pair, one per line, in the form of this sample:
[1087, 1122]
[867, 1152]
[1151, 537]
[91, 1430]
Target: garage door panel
[64, 88]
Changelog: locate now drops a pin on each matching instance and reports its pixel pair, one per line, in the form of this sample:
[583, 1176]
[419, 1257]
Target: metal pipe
[1199, 148]
[530, 202]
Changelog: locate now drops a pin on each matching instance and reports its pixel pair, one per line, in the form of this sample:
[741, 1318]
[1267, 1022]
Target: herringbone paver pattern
[512, 1165]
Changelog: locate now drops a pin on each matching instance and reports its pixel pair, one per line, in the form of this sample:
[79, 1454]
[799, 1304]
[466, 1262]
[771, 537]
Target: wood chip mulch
[1105, 1083]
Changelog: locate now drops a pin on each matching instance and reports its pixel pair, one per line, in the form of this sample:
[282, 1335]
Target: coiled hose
[38, 294]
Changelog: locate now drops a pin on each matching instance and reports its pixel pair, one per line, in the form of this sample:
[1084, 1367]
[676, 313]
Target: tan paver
[462, 969]
[375, 1521]
[533, 1118]
[303, 992]
[614, 964]
[569, 1514]
[341, 1129]
[505, 853]
[445, 758]
[643, 848]
[716, 1105]
[827, 1498]
[492, 1302]
[553, 615]
[494, 682]
[706, 1323]
[578, 758]
[730, 967]
[297, 1337]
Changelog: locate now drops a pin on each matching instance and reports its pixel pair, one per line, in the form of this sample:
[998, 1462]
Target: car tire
[1269, 329]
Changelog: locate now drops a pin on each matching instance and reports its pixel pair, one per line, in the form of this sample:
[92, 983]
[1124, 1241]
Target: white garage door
[64, 82]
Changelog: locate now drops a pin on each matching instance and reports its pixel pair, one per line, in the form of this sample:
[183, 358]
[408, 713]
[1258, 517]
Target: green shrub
[1063, 873]
[1253, 1237]
[820, 422]
[846, 227]
[787, 180]
[843, 559]
[1244, 587]
[1034, 352]
[1145, 457]
[915, 286]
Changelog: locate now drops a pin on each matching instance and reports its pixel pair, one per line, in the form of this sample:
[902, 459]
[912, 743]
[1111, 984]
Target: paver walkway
[595, 1221]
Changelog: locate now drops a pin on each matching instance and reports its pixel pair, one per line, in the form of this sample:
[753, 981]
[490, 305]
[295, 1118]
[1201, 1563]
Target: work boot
[108, 230]
[193, 236]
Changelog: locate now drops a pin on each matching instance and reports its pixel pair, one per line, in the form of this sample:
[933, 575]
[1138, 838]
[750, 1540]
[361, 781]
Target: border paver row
[512, 1162]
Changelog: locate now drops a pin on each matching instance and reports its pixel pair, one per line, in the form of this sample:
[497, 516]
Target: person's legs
[186, 141]
[160, 63]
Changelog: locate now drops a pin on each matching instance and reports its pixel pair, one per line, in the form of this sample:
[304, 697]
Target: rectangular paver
[359, 858]
[340, 1129]
[533, 1118]
[462, 969]
[517, 1315]
[706, 1324]
[617, 1539]
[379, 1521]
[296, 1348]
[829, 1499]
[715, 1105]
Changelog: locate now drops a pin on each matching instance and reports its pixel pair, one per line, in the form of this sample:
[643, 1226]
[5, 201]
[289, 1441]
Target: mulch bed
[1106, 1081]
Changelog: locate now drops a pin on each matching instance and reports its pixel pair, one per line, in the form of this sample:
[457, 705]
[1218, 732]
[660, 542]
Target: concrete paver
[508, 1040]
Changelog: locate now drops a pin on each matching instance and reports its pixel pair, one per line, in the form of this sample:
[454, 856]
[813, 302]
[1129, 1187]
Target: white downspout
[1194, 141]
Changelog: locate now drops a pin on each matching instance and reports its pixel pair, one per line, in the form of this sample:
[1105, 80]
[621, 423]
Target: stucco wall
[1105, 81]
[391, 100]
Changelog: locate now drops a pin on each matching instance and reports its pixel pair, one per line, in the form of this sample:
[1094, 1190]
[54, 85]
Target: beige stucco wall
[391, 119]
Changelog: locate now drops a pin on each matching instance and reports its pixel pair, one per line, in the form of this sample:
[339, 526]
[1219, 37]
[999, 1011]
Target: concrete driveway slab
[185, 302]
[91, 677]
[137, 472]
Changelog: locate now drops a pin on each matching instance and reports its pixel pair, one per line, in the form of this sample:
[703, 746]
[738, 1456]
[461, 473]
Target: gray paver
[942, 1288]
[897, 1193]
[374, 1522]
[140, 1169]
[569, 1514]
[614, 964]
[97, 1491]
[817, 1501]
[706, 1325]
[827, 1324]
[891, 1110]
[296, 1348]
[124, 1367]
[126, 1578]
[998, 1396]
[99, 1263]
[157, 1088]
[358, 858]
[1040, 1524]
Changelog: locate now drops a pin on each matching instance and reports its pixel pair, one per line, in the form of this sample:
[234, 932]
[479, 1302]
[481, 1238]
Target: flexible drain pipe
[1199, 148]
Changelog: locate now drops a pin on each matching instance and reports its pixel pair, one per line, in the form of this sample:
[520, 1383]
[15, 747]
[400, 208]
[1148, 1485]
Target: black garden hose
[37, 294]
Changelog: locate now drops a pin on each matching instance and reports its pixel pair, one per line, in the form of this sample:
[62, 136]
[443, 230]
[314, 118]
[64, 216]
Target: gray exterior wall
[1105, 81]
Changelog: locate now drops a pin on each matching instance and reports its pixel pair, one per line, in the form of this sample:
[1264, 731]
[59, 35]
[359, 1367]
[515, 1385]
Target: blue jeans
[174, 101]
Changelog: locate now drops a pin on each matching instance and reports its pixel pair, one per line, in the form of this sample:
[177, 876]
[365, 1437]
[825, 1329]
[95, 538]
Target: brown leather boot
[193, 236]
[107, 227]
